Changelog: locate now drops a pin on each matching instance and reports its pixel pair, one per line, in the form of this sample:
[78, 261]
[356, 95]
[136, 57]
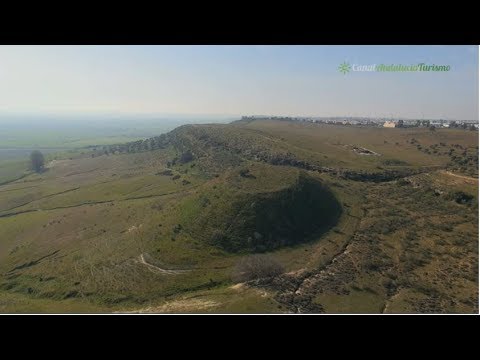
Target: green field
[158, 226]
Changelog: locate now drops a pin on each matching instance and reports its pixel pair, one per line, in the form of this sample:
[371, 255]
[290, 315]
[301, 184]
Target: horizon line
[177, 114]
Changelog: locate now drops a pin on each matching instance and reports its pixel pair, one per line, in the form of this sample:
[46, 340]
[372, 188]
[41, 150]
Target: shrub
[394, 162]
[460, 197]
[245, 172]
[204, 201]
[166, 172]
[218, 237]
[255, 267]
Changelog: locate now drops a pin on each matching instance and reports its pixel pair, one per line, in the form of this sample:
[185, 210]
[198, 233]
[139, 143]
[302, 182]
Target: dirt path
[157, 270]
[188, 305]
[468, 178]
[389, 300]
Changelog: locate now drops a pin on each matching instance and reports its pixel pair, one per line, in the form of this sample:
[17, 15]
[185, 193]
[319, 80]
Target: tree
[400, 123]
[255, 267]
[37, 161]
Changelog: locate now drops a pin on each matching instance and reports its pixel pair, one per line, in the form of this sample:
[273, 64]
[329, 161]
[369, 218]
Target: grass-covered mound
[258, 208]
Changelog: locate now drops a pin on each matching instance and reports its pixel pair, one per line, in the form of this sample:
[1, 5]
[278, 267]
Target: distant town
[376, 122]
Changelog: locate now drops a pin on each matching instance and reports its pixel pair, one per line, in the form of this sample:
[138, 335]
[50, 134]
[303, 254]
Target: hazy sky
[235, 80]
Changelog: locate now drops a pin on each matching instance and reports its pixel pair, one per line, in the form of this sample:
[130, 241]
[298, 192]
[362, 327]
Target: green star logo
[344, 68]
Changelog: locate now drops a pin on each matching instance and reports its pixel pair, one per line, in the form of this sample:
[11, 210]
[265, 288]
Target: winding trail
[159, 270]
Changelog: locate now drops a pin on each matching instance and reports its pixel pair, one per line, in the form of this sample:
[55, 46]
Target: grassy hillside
[11, 170]
[159, 224]
[331, 143]
[260, 208]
